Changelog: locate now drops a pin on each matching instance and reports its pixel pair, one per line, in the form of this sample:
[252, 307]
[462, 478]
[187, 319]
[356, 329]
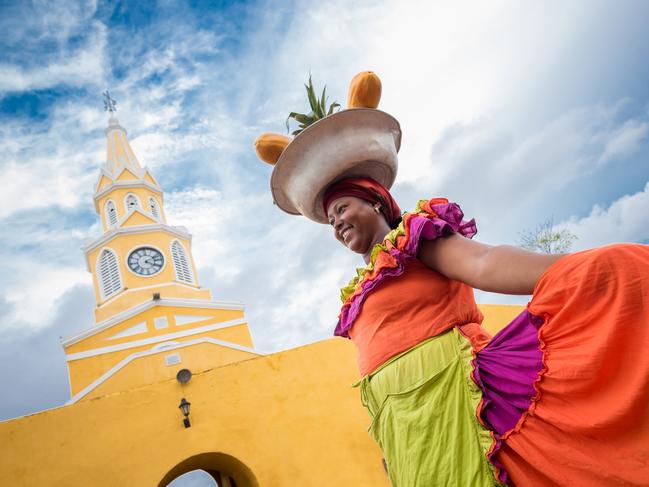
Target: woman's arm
[501, 269]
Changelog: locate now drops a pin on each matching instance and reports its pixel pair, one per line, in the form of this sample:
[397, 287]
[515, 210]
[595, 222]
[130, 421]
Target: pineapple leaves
[323, 99]
[331, 108]
[313, 100]
[318, 109]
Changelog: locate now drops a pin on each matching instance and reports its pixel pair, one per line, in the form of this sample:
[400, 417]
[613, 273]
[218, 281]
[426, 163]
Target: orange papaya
[269, 146]
[364, 90]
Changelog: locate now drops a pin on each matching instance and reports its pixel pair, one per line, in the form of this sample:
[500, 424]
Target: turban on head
[366, 189]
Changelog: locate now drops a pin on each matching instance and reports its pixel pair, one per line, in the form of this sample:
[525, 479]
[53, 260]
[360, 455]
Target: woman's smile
[345, 233]
[357, 224]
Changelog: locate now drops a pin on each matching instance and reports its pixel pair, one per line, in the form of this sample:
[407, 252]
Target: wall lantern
[184, 407]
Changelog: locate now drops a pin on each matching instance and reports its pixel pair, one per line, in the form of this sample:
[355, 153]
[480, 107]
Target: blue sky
[519, 111]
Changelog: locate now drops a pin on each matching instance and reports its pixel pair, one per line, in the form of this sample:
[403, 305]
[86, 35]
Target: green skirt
[423, 407]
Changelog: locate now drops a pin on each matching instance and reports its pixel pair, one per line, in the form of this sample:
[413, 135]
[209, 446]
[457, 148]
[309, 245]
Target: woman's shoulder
[431, 219]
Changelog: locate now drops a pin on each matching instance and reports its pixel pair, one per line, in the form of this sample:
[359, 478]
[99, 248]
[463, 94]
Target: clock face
[145, 261]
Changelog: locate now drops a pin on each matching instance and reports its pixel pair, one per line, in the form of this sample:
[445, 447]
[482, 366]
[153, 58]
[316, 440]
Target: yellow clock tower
[152, 316]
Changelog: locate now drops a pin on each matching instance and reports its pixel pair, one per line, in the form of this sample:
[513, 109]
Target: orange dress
[565, 385]
[397, 317]
[588, 424]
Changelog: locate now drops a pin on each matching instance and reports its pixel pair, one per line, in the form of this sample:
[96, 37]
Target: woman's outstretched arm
[498, 269]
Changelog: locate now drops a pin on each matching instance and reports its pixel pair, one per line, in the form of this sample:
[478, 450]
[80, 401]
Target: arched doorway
[226, 470]
[195, 478]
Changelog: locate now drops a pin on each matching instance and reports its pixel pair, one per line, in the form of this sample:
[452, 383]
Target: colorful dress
[560, 396]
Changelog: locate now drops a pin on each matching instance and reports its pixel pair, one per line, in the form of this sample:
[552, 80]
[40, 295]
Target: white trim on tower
[109, 276]
[123, 184]
[156, 339]
[140, 308]
[179, 232]
[152, 286]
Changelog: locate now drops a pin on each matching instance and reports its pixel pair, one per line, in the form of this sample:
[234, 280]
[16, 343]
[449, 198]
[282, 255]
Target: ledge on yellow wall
[497, 316]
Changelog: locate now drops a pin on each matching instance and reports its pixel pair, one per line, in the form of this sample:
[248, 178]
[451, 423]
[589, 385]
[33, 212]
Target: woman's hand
[501, 269]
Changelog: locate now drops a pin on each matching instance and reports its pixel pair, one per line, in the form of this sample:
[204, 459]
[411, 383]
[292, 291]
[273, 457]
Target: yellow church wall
[84, 371]
[497, 316]
[104, 337]
[152, 368]
[136, 219]
[127, 175]
[204, 316]
[291, 418]
[218, 314]
[103, 182]
[132, 297]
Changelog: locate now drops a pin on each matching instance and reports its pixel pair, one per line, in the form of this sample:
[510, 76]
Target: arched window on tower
[181, 263]
[155, 209]
[131, 202]
[108, 274]
[110, 213]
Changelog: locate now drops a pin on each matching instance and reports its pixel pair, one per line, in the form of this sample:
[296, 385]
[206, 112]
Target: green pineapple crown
[318, 109]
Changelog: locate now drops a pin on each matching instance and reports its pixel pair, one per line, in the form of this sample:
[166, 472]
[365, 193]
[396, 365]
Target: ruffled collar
[431, 219]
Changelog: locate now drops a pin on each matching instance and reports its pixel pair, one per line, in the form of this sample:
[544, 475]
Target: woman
[415, 369]
[558, 397]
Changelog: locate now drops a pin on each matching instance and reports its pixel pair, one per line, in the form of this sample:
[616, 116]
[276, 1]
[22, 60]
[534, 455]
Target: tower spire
[119, 154]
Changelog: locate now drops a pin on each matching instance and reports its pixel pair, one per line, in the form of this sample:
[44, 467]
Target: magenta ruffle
[506, 371]
[446, 220]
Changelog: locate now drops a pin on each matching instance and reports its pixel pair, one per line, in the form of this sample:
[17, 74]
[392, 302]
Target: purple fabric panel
[449, 221]
[506, 370]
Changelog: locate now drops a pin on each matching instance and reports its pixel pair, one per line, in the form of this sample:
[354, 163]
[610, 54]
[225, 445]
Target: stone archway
[222, 467]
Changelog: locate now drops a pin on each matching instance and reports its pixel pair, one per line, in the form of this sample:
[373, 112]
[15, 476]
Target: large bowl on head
[357, 142]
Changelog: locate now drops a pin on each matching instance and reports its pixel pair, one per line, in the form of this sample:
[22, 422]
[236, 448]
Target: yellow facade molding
[115, 232]
[157, 339]
[142, 183]
[134, 311]
[123, 363]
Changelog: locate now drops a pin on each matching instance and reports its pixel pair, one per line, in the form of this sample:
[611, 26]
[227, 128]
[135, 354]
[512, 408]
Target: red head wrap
[366, 189]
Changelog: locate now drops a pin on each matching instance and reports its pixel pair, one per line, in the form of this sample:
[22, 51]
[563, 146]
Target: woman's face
[357, 225]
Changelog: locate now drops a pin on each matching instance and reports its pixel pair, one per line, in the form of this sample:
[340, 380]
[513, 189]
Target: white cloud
[41, 21]
[83, 66]
[505, 177]
[37, 288]
[40, 260]
[625, 141]
[49, 166]
[625, 220]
